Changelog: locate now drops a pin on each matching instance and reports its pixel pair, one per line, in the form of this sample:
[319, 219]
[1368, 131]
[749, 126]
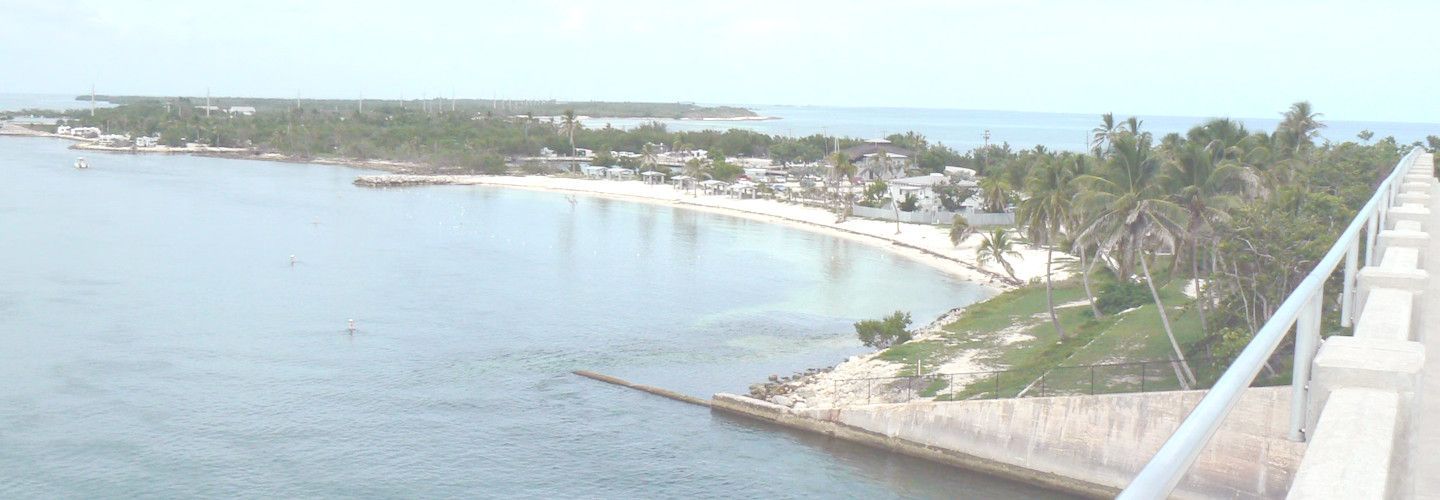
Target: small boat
[80, 163]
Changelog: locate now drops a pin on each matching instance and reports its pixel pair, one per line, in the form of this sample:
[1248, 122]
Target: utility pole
[986, 152]
[362, 103]
[207, 102]
[92, 99]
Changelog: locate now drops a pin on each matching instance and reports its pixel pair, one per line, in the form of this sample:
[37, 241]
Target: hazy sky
[1354, 60]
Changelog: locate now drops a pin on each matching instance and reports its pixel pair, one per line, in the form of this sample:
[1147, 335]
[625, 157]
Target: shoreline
[923, 244]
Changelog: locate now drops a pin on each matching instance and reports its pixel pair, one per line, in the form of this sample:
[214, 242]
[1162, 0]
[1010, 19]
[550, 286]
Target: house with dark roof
[879, 159]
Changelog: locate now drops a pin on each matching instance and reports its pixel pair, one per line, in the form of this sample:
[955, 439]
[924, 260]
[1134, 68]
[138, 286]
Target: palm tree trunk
[1195, 278]
[1050, 295]
[1085, 280]
[1165, 320]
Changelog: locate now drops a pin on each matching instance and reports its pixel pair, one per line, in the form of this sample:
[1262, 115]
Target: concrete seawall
[1089, 445]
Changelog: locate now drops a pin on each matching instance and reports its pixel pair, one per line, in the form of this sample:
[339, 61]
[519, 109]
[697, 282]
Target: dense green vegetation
[462, 139]
[1239, 216]
[491, 107]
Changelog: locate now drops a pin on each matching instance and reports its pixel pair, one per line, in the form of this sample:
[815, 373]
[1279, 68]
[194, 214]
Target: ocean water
[159, 343]
[965, 129]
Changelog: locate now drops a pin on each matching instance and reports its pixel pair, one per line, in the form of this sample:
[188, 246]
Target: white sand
[924, 243]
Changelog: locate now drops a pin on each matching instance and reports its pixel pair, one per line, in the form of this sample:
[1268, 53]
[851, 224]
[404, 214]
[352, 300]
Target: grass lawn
[1013, 332]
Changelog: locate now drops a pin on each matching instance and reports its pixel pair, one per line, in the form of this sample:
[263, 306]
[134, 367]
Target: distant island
[441, 136]
[497, 107]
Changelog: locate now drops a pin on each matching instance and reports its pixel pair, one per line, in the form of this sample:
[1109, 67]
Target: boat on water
[80, 163]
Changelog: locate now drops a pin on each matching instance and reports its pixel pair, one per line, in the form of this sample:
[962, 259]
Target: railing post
[1371, 236]
[1307, 338]
[1142, 376]
[1347, 291]
[1384, 209]
[1092, 380]
[997, 384]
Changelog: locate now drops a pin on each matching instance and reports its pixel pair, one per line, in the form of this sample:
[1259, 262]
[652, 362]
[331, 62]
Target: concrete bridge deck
[1424, 439]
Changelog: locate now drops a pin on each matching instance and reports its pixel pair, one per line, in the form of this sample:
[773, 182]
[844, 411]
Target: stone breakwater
[393, 180]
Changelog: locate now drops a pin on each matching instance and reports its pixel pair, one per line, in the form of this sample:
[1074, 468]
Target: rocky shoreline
[821, 387]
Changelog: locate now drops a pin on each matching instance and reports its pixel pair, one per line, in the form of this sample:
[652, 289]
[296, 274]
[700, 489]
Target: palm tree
[1130, 212]
[1044, 215]
[1207, 191]
[1077, 222]
[1132, 125]
[529, 117]
[569, 125]
[693, 168]
[844, 170]
[997, 245]
[995, 190]
[1301, 124]
[647, 156]
[1102, 133]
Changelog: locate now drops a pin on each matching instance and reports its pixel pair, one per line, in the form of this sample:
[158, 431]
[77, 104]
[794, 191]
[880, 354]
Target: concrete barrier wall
[1092, 445]
[1364, 388]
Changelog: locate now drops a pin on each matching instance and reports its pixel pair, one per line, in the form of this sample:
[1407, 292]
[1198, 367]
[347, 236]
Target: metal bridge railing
[1302, 310]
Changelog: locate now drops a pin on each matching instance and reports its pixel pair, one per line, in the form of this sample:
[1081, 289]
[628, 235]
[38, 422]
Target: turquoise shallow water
[157, 341]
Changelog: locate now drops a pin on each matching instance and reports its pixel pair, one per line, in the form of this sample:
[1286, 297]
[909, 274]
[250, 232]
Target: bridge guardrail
[1302, 310]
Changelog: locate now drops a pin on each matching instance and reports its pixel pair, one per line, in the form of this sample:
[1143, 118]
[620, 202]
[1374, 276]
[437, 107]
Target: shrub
[492, 163]
[884, 332]
[910, 203]
[959, 229]
[534, 168]
[1119, 296]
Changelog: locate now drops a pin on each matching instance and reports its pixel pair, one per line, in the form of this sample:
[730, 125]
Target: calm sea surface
[964, 129]
[158, 342]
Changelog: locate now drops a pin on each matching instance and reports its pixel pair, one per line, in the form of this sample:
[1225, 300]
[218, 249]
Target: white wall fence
[976, 219]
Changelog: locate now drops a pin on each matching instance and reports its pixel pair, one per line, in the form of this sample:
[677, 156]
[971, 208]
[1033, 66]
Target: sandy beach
[923, 243]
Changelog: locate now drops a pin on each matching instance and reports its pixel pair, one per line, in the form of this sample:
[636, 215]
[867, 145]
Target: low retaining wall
[976, 219]
[1090, 445]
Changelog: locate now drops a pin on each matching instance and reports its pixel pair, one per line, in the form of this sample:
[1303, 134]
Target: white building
[241, 110]
[85, 132]
[113, 140]
[147, 142]
[923, 187]
[961, 172]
